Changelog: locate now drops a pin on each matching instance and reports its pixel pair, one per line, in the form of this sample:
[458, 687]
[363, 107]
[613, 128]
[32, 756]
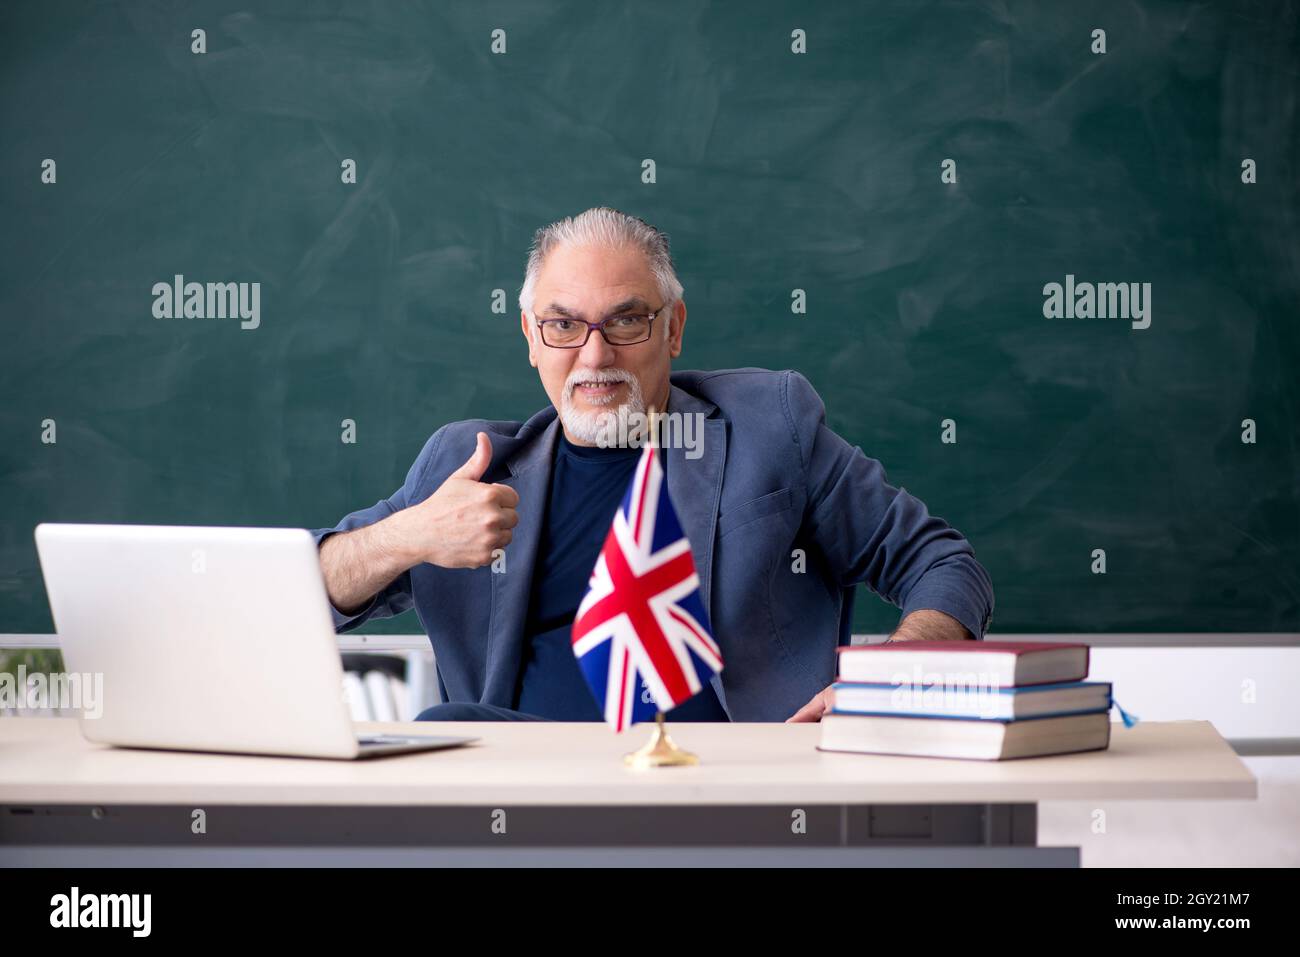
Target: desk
[551, 793]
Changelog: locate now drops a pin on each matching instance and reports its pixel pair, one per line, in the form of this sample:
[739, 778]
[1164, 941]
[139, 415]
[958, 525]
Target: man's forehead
[581, 279]
[562, 306]
[575, 298]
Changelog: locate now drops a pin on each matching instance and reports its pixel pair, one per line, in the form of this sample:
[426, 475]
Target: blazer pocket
[761, 507]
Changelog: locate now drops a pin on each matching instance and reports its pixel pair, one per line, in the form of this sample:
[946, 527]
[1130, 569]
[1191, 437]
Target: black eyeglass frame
[541, 323]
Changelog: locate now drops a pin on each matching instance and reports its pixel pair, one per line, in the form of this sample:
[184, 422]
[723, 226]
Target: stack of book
[988, 700]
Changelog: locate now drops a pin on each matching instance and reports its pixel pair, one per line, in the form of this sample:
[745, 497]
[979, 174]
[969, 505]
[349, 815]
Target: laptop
[208, 639]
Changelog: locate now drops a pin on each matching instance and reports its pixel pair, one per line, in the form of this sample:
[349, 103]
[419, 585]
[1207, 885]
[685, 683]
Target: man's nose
[597, 353]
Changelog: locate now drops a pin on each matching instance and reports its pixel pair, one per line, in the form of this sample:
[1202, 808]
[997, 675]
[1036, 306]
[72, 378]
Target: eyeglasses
[625, 330]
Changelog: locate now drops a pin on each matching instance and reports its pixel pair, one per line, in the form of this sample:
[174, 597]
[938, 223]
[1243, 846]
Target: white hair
[602, 226]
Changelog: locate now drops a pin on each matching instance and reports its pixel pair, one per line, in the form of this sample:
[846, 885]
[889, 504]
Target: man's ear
[676, 325]
[527, 328]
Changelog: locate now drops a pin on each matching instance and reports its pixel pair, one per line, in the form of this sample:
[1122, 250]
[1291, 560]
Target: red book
[1002, 664]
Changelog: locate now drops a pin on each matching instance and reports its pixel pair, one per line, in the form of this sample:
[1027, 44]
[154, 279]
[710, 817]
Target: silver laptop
[208, 639]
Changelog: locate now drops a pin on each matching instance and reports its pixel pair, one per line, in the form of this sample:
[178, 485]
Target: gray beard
[592, 426]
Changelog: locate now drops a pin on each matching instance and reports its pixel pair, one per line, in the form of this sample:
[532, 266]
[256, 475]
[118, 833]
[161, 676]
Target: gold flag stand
[660, 751]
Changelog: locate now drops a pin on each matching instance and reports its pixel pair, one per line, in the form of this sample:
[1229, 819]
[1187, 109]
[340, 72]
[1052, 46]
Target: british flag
[641, 634]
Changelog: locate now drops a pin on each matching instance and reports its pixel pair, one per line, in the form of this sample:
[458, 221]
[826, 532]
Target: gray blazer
[784, 517]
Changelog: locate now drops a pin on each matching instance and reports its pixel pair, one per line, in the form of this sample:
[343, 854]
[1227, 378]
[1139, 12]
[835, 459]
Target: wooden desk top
[47, 761]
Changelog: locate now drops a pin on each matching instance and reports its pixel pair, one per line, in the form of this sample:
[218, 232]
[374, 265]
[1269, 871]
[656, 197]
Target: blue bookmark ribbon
[1128, 719]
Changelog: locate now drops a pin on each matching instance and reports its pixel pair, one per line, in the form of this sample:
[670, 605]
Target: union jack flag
[641, 634]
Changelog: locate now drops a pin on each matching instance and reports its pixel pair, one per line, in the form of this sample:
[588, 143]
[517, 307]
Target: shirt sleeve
[396, 597]
[874, 534]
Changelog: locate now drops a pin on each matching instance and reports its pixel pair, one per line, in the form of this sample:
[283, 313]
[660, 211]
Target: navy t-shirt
[587, 486]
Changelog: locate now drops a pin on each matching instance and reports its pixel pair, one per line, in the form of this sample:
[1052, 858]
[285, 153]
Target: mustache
[601, 376]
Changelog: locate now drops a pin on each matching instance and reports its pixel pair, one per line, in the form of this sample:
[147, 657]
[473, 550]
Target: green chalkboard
[775, 170]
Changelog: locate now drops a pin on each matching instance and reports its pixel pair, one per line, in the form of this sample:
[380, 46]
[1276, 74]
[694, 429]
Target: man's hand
[923, 625]
[464, 521]
[814, 709]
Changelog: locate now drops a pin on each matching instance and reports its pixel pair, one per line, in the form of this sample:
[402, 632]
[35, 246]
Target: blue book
[971, 702]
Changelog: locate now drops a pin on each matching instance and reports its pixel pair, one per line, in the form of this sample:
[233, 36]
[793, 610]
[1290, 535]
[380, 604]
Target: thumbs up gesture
[465, 520]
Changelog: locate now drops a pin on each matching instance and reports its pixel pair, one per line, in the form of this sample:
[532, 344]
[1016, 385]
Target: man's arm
[459, 526]
[875, 534]
[359, 564]
[929, 625]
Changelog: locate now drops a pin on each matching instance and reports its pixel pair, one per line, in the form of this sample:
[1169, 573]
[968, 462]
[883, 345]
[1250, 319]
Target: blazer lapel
[530, 476]
[695, 485]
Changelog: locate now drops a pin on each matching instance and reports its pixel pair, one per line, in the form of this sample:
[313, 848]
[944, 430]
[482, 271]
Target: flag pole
[661, 751]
